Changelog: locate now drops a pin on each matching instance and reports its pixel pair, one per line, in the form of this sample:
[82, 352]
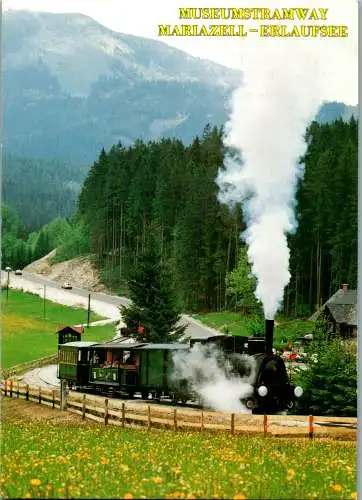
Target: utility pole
[88, 316]
[8, 270]
[44, 302]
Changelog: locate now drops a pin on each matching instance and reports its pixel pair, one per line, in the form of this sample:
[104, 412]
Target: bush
[330, 380]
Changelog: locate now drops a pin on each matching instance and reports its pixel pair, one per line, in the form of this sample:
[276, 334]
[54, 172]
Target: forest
[49, 186]
[168, 190]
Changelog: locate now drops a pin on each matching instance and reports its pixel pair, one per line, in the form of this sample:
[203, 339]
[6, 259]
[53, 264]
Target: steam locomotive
[126, 366]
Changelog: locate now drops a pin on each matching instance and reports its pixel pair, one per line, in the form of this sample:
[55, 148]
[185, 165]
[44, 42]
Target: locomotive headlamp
[298, 391]
[262, 391]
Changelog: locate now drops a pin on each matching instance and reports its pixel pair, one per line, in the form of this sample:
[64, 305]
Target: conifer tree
[153, 305]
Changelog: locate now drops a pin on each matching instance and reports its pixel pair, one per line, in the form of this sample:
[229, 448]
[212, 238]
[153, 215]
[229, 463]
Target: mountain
[72, 86]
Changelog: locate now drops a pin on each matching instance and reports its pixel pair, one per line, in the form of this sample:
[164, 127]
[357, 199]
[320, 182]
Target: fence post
[11, 388]
[265, 425]
[17, 390]
[311, 428]
[232, 426]
[53, 398]
[6, 387]
[83, 407]
[202, 421]
[123, 414]
[175, 419]
[63, 395]
[27, 392]
[149, 417]
[106, 411]
[39, 394]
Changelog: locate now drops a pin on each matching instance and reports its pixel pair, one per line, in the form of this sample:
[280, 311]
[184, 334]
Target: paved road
[101, 303]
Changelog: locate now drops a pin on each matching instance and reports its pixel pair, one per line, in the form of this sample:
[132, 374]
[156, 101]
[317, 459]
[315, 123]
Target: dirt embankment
[80, 272]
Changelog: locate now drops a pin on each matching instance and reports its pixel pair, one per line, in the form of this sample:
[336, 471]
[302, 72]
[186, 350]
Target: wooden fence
[23, 367]
[141, 414]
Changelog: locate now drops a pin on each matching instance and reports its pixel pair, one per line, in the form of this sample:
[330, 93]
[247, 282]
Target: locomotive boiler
[273, 391]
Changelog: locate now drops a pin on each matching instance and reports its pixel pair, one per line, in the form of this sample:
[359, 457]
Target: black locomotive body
[273, 391]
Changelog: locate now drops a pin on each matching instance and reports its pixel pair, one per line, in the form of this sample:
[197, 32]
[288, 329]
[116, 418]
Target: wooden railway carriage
[73, 363]
[115, 365]
[156, 369]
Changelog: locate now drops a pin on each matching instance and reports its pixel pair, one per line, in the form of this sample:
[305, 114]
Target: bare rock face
[80, 272]
[43, 265]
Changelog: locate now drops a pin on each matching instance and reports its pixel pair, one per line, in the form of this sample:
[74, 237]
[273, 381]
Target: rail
[141, 414]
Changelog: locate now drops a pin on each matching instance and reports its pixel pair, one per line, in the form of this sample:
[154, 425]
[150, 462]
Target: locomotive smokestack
[269, 330]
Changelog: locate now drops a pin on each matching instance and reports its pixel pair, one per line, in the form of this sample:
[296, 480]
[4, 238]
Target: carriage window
[79, 355]
[126, 356]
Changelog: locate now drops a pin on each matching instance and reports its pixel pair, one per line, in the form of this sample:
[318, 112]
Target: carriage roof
[169, 347]
[118, 345]
[80, 343]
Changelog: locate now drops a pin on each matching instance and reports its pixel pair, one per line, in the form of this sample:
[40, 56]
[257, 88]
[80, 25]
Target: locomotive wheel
[145, 395]
[250, 403]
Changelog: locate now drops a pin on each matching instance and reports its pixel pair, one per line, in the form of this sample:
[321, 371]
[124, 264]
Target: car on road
[66, 285]
[18, 272]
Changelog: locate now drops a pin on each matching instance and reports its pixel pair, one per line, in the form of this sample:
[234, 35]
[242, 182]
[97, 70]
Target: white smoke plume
[210, 377]
[284, 81]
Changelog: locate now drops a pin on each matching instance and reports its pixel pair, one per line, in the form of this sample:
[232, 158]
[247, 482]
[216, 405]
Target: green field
[239, 324]
[27, 336]
[44, 456]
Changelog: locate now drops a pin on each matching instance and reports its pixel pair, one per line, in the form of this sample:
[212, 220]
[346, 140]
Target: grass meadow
[45, 457]
[28, 335]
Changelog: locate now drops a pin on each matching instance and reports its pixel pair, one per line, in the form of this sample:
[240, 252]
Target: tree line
[168, 190]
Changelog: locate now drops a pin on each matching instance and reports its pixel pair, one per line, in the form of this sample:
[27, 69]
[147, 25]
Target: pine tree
[153, 302]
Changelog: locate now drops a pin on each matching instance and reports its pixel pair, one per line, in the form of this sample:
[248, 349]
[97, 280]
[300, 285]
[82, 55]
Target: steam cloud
[210, 376]
[282, 90]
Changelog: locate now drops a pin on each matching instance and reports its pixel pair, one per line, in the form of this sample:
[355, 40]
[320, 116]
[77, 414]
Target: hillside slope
[80, 272]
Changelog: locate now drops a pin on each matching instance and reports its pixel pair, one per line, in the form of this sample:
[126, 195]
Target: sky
[142, 17]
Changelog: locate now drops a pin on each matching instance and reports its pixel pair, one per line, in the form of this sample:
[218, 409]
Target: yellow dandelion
[239, 497]
[124, 467]
[354, 495]
[291, 474]
[35, 482]
[104, 461]
[336, 487]
[157, 480]
[128, 495]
